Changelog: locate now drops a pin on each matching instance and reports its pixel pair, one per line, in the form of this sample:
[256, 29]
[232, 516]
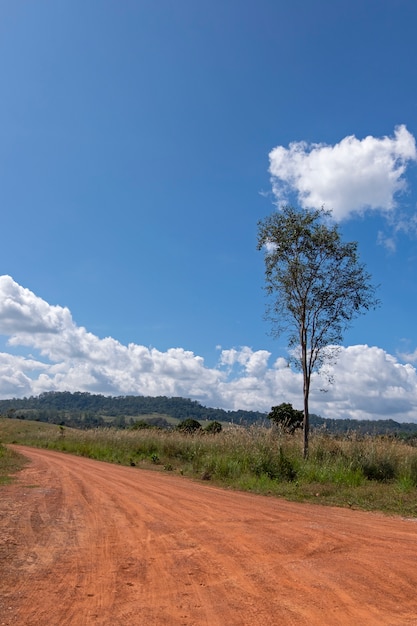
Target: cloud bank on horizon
[62, 356]
[350, 177]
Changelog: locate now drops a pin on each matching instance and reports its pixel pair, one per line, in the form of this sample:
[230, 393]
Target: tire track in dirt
[89, 543]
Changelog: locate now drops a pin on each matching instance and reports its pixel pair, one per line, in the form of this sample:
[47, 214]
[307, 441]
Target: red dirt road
[87, 543]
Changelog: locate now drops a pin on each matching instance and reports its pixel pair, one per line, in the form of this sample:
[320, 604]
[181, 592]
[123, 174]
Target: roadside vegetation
[366, 472]
[10, 463]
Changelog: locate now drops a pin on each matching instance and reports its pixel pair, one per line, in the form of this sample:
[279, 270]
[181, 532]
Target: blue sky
[141, 142]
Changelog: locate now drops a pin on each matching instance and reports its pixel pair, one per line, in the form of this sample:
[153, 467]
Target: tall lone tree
[316, 284]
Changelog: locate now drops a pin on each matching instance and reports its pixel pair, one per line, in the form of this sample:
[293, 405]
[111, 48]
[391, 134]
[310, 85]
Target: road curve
[88, 543]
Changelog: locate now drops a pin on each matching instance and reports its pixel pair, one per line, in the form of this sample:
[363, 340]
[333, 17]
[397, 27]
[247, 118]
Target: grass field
[372, 473]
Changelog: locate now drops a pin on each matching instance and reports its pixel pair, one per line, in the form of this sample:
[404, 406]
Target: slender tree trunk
[306, 421]
[306, 390]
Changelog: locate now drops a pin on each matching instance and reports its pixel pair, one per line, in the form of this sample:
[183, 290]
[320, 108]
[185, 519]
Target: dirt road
[87, 543]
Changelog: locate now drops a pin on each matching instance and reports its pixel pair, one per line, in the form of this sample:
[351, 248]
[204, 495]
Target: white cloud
[372, 384]
[409, 356]
[399, 224]
[21, 313]
[349, 177]
[388, 242]
[369, 383]
[254, 363]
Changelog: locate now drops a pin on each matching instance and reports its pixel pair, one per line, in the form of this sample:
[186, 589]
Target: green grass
[371, 473]
[10, 463]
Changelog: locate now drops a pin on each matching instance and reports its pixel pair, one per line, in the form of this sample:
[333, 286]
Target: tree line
[90, 410]
[85, 410]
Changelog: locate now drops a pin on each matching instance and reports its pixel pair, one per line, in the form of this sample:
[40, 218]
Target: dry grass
[373, 473]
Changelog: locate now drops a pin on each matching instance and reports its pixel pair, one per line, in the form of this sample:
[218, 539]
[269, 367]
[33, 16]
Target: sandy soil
[89, 543]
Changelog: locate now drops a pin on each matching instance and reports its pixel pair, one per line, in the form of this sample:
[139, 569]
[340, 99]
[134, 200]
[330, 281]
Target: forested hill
[86, 410]
[94, 410]
[363, 427]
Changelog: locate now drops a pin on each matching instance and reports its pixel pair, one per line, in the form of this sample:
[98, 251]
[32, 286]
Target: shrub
[378, 459]
[140, 425]
[381, 470]
[213, 428]
[189, 426]
[277, 467]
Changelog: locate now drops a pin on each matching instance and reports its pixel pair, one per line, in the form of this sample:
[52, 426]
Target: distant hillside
[364, 427]
[86, 410]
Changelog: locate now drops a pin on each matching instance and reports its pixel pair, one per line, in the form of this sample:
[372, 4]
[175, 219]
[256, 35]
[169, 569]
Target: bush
[378, 469]
[189, 426]
[378, 459]
[213, 428]
[381, 470]
[140, 425]
[278, 468]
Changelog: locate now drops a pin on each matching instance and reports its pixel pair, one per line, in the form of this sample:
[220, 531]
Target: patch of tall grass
[378, 473]
[10, 463]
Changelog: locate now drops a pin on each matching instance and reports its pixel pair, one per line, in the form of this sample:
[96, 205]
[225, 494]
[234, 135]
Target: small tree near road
[286, 418]
[316, 284]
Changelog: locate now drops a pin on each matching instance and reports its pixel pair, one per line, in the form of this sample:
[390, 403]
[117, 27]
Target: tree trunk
[306, 421]
[306, 389]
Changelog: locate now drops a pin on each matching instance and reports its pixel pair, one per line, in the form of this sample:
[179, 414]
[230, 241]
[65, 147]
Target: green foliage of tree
[287, 418]
[213, 428]
[316, 284]
[189, 426]
[158, 422]
[140, 425]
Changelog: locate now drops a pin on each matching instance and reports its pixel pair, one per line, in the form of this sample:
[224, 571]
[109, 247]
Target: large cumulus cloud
[348, 177]
[369, 383]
